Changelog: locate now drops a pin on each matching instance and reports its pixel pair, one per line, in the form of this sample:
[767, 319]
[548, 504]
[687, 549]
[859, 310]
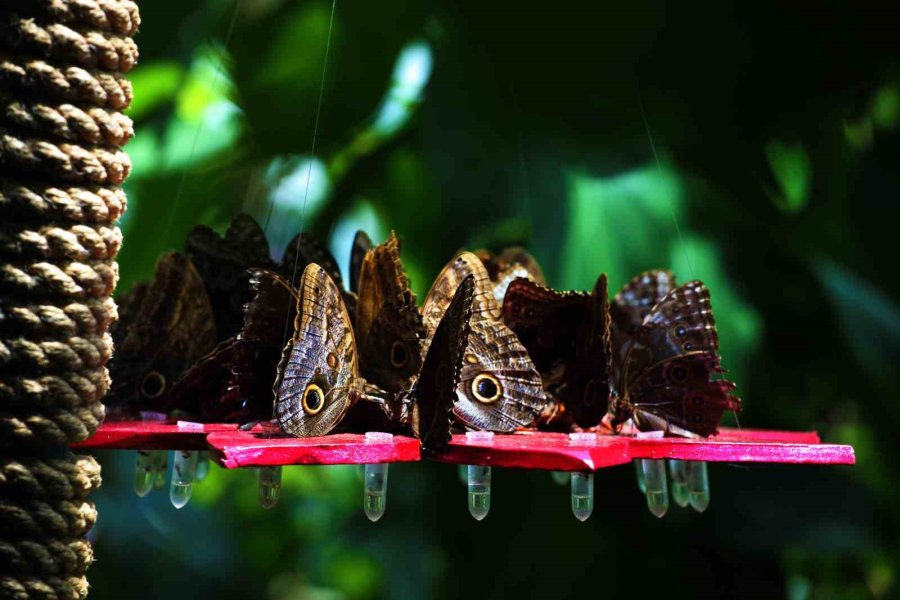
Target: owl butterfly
[567, 334]
[168, 324]
[499, 388]
[318, 377]
[512, 263]
[362, 243]
[233, 383]
[223, 261]
[666, 378]
[389, 327]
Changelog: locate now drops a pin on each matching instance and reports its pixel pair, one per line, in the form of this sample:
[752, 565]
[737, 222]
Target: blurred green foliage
[752, 146]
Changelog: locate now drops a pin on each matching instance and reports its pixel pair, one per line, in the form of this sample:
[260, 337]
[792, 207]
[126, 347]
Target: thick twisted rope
[61, 92]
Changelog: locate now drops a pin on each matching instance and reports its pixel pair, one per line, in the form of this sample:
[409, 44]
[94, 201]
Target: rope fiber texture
[62, 92]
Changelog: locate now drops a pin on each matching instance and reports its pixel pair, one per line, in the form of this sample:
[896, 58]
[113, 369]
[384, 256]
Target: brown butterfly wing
[494, 356]
[545, 321]
[321, 353]
[436, 387]
[674, 354]
[362, 243]
[222, 262]
[445, 285]
[171, 326]
[679, 395]
[629, 308]
[306, 249]
[388, 322]
[588, 376]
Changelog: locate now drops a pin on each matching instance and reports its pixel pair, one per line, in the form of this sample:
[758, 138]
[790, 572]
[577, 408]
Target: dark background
[752, 145]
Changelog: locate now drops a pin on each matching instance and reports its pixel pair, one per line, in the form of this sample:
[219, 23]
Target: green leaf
[155, 85]
[792, 169]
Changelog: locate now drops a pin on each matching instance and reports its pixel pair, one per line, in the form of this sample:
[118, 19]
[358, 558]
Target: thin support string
[672, 211]
[312, 154]
[184, 173]
[660, 171]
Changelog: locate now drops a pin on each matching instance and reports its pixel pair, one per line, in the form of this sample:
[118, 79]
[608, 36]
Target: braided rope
[66, 162]
[71, 478]
[61, 130]
[45, 588]
[75, 354]
[45, 557]
[56, 41]
[74, 279]
[50, 203]
[118, 16]
[79, 242]
[64, 84]
[90, 125]
[49, 321]
[69, 390]
[30, 519]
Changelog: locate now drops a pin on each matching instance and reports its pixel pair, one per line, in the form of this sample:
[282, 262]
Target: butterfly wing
[629, 308]
[436, 387]
[388, 322]
[588, 377]
[445, 285]
[222, 262]
[545, 321]
[171, 327]
[318, 377]
[305, 249]
[669, 368]
[362, 243]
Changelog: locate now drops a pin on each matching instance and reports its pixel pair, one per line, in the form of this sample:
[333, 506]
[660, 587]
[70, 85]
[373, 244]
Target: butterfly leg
[269, 485]
[657, 490]
[184, 468]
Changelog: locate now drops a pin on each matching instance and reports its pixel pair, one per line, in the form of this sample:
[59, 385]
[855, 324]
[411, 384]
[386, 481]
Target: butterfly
[305, 249]
[362, 243]
[513, 262]
[499, 388]
[168, 324]
[223, 261]
[389, 326]
[666, 371]
[319, 381]
[567, 334]
[233, 382]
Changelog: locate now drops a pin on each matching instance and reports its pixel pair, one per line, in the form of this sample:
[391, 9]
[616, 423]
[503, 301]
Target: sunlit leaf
[792, 169]
[155, 84]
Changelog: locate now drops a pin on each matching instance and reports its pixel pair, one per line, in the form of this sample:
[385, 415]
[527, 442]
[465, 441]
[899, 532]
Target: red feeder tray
[259, 448]
[152, 435]
[555, 451]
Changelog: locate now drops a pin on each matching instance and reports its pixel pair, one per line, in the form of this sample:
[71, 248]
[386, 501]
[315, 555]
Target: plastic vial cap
[479, 436]
[583, 439]
[378, 437]
[189, 426]
[651, 435]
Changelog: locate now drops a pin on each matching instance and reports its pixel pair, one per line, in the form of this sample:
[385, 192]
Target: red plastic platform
[263, 446]
[232, 449]
[554, 451]
[152, 435]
